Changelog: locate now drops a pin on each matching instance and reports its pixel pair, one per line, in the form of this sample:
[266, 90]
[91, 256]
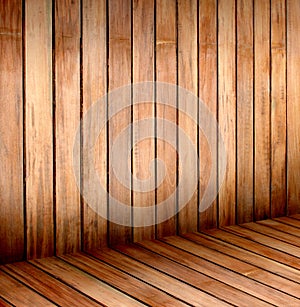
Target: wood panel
[187, 79]
[208, 94]
[94, 82]
[262, 132]
[293, 106]
[11, 132]
[278, 108]
[240, 57]
[16, 293]
[227, 107]
[166, 65]
[67, 119]
[219, 267]
[244, 111]
[39, 130]
[119, 26]
[143, 150]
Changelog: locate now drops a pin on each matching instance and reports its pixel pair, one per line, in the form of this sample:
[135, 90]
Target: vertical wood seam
[107, 124]
[81, 127]
[24, 125]
[253, 115]
[53, 124]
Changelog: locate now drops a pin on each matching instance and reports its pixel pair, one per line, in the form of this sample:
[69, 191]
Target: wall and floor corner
[57, 58]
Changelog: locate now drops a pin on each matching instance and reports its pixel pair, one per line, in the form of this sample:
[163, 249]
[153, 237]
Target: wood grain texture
[278, 108]
[119, 75]
[46, 285]
[187, 79]
[208, 95]
[223, 244]
[262, 145]
[244, 111]
[144, 150]
[181, 291]
[126, 283]
[67, 119]
[190, 276]
[232, 278]
[166, 72]
[11, 133]
[102, 293]
[39, 136]
[272, 296]
[94, 77]
[293, 106]
[17, 294]
[227, 107]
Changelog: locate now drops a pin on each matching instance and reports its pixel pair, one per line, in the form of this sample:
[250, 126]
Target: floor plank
[47, 286]
[120, 280]
[174, 287]
[272, 295]
[90, 286]
[17, 293]
[254, 264]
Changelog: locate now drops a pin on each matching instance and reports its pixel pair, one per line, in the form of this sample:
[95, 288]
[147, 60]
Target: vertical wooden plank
[143, 70]
[208, 95]
[293, 105]
[244, 111]
[94, 87]
[67, 119]
[119, 75]
[278, 108]
[187, 78]
[11, 132]
[262, 109]
[227, 107]
[39, 137]
[166, 72]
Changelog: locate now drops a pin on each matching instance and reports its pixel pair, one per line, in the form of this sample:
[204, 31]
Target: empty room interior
[150, 153]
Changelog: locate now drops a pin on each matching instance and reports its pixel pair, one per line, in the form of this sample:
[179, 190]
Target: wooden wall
[241, 57]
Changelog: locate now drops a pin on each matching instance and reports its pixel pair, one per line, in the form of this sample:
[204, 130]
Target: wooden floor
[255, 264]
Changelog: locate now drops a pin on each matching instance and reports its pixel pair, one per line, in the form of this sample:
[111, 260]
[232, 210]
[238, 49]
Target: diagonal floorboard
[254, 264]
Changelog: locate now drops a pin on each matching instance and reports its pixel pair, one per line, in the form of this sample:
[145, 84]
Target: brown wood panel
[174, 287]
[254, 286]
[228, 293]
[18, 294]
[262, 149]
[39, 131]
[281, 226]
[288, 221]
[187, 79]
[278, 108]
[166, 65]
[244, 111]
[208, 94]
[127, 283]
[273, 296]
[47, 286]
[223, 244]
[90, 286]
[119, 75]
[11, 132]
[273, 233]
[245, 242]
[144, 150]
[288, 249]
[293, 106]
[227, 107]
[94, 78]
[67, 119]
